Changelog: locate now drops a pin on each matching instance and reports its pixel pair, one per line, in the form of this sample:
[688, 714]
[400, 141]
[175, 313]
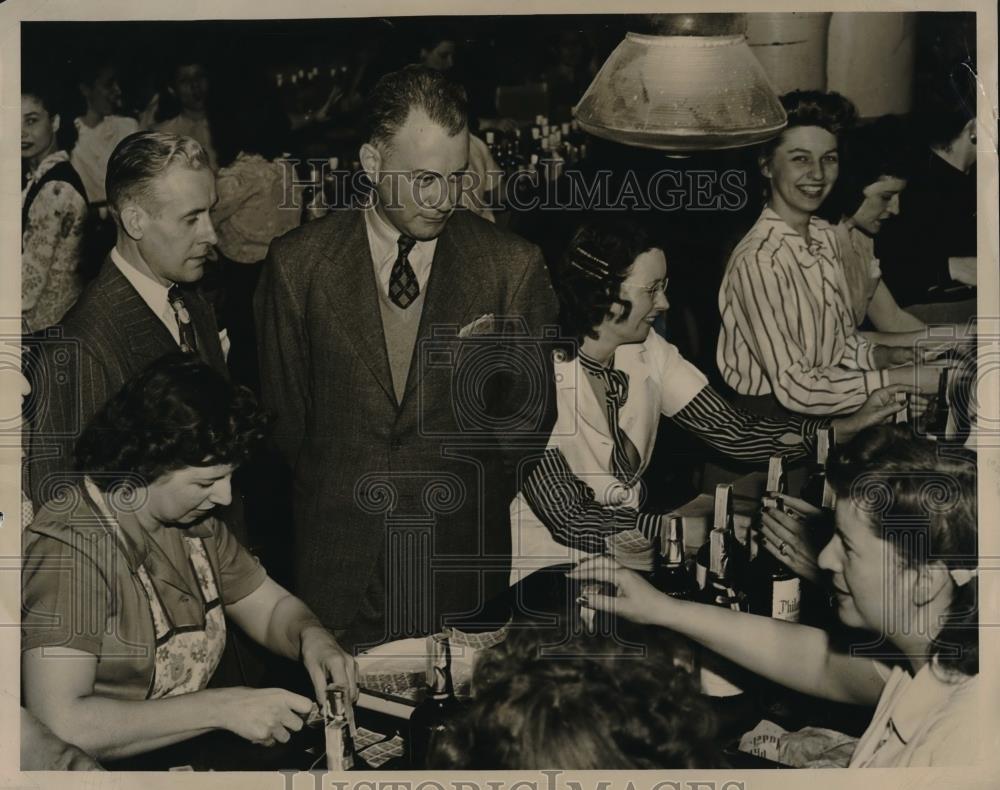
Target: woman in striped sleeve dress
[789, 341]
[611, 394]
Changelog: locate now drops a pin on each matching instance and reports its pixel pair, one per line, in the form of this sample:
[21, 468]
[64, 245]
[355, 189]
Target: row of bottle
[733, 571]
[542, 148]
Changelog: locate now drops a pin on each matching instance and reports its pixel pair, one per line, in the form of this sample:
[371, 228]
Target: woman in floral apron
[129, 579]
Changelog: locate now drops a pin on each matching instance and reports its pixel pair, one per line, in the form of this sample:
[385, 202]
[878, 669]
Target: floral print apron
[185, 657]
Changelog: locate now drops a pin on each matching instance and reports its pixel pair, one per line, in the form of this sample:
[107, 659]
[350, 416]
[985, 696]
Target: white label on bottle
[337, 757]
[829, 499]
[700, 575]
[785, 598]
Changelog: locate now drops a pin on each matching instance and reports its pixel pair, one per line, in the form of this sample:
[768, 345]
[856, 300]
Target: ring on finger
[781, 549]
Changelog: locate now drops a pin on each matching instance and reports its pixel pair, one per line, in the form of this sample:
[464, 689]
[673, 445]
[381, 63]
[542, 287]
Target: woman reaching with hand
[613, 384]
[904, 551]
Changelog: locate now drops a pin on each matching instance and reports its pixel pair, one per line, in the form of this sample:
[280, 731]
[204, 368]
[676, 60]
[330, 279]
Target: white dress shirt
[661, 382]
[155, 296]
[924, 720]
[383, 241]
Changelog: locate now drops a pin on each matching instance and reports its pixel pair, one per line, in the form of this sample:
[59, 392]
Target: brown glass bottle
[671, 575]
[773, 590]
[817, 491]
[439, 706]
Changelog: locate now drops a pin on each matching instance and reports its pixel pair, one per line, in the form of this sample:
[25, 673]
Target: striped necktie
[189, 344]
[616, 394]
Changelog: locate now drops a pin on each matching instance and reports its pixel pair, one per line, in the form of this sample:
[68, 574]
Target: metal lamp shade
[682, 93]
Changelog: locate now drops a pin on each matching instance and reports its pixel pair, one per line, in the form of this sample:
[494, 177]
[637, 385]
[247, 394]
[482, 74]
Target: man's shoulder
[98, 310]
[301, 249]
[486, 242]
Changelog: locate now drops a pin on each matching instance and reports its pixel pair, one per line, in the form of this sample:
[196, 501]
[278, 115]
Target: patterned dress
[51, 245]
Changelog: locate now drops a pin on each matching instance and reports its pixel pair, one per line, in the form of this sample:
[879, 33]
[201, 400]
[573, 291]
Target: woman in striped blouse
[610, 395]
[789, 339]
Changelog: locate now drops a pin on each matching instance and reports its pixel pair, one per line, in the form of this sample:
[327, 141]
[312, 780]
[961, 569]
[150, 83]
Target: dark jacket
[105, 340]
[419, 491]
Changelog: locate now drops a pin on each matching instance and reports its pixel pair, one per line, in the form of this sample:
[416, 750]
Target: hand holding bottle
[636, 600]
[879, 406]
[787, 535]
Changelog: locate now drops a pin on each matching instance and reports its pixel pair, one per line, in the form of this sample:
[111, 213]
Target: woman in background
[100, 128]
[53, 211]
[789, 339]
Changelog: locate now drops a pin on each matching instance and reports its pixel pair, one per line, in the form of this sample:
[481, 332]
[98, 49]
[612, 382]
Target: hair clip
[589, 264]
[962, 576]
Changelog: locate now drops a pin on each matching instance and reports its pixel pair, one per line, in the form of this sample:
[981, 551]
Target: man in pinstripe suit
[143, 303]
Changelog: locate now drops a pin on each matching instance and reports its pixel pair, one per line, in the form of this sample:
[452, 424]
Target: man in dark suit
[142, 304]
[402, 350]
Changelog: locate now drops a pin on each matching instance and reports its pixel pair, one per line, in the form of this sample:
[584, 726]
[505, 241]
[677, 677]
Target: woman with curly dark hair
[583, 704]
[902, 563]
[789, 341]
[117, 653]
[586, 492]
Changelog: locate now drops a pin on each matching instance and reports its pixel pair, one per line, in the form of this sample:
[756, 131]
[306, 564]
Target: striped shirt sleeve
[568, 509]
[763, 303]
[743, 436]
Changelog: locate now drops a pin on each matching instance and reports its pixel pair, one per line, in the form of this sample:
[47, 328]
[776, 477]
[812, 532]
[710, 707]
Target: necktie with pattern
[616, 388]
[189, 344]
[403, 286]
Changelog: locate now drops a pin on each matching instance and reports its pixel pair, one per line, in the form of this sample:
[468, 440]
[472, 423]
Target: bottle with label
[672, 575]
[734, 552]
[772, 589]
[905, 415]
[817, 491]
[339, 743]
[722, 680]
[935, 419]
[439, 706]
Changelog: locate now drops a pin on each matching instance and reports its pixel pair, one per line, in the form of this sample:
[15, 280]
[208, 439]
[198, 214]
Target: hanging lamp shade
[693, 85]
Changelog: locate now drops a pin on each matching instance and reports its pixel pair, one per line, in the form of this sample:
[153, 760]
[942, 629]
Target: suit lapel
[144, 333]
[352, 292]
[450, 289]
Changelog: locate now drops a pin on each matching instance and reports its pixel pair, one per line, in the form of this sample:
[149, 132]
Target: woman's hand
[636, 600]
[264, 716]
[328, 664]
[878, 408]
[789, 537]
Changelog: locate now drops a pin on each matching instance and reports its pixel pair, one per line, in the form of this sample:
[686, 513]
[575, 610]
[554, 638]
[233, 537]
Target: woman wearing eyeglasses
[611, 394]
